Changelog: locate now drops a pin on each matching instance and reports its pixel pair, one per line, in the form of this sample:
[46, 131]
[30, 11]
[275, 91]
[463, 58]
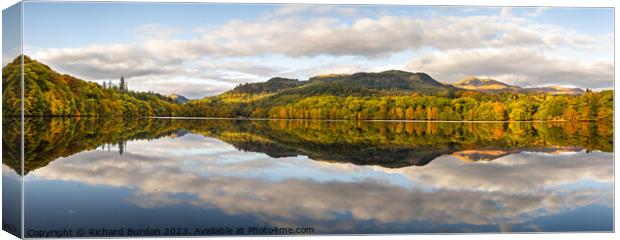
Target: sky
[199, 50]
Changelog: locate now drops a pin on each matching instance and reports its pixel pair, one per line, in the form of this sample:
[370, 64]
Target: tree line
[468, 106]
[48, 93]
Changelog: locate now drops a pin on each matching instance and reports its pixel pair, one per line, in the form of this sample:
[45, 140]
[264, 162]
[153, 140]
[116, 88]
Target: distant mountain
[484, 84]
[384, 83]
[178, 98]
[490, 85]
[392, 79]
[358, 84]
[476, 155]
[492, 153]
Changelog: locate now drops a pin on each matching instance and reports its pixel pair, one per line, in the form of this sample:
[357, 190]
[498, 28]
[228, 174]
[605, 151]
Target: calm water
[333, 176]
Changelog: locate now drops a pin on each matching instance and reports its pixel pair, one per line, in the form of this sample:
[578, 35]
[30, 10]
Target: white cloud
[520, 66]
[385, 35]
[159, 55]
[190, 88]
[231, 70]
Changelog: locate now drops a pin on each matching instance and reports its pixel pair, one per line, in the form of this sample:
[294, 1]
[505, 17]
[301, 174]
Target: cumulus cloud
[514, 189]
[157, 53]
[153, 67]
[322, 69]
[369, 37]
[384, 35]
[111, 61]
[243, 67]
[206, 85]
[520, 66]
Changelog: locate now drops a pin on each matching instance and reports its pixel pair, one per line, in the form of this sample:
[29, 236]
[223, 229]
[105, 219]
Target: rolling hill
[177, 98]
[358, 84]
[484, 84]
[392, 79]
[490, 85]
[49, 93]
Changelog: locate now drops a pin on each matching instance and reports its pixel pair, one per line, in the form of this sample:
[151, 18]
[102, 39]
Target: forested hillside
[394, 95]
[399, 95]
[48, 93]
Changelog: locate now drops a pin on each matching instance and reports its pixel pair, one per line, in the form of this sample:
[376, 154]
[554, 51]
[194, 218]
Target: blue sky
[204, 49]
[83, 24]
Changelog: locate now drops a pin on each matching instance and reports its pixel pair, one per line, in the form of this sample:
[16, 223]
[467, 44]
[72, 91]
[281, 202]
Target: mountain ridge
[483, 83]
[486, 84]
[361, 81]
[177, 98]
[397, 80]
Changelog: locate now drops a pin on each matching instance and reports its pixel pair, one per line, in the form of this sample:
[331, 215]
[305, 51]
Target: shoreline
[310, 119]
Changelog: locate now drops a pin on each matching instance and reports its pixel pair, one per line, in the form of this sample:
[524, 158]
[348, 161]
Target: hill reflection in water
[387, 144]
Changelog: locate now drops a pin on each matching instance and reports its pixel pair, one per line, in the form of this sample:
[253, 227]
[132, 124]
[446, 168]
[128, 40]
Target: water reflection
[388, 144]
[517, 176]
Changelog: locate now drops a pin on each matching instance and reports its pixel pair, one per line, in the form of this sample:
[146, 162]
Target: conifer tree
[122, 85]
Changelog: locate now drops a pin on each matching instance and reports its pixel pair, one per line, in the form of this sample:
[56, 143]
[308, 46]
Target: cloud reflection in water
[294, 190]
